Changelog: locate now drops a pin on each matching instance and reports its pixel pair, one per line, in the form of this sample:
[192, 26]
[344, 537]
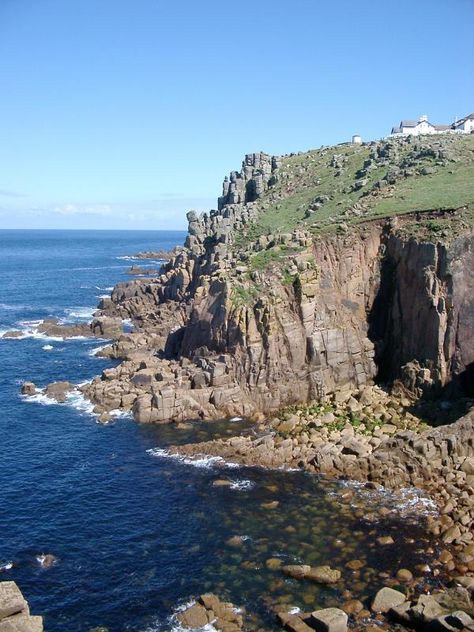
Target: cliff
[308, 279]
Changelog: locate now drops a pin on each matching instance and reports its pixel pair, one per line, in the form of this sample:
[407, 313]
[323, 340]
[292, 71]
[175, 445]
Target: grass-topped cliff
[332, 188]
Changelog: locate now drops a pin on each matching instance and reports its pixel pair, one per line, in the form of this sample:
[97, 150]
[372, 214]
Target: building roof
[441, 128]
[396, 130]
[463, 120]
[408, 123]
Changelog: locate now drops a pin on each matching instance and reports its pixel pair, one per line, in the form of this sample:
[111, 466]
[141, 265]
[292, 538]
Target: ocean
[136, 534]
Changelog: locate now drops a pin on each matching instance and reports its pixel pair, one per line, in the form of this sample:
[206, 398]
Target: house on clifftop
[464, 125]
[421, 126]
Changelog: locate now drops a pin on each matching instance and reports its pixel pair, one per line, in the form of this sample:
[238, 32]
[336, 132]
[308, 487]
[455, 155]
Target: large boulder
[14, 611]
[329, 620]
[387, 598]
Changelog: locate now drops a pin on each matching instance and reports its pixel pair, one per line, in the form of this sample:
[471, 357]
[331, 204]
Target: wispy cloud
[83, 209]
[12, 194]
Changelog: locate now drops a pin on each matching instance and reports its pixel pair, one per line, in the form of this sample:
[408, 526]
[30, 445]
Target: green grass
[441, 190]
[305, 177]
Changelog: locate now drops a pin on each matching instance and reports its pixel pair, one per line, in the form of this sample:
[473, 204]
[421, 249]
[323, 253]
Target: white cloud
[83, 209]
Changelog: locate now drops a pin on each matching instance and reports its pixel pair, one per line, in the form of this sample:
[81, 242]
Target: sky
[127, 113]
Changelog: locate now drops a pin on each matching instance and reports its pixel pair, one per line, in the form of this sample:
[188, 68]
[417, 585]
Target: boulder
[193, 617]
[28, 388]
[387, 598]
[329, 620]
[323, 575]
[11, 600]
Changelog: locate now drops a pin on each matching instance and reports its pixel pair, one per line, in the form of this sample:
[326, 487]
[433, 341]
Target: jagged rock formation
[14, 611]
[257, 174]
[217, 336]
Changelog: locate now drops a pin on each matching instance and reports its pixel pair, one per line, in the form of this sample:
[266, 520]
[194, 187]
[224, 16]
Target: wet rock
[323, 575]
[298, 571]
[404, 575]
[195, 616]
[353, 606]
[329, 620]
[28, 388]
[387, 598]
[59, 390]
[47, 561]
[453, 622]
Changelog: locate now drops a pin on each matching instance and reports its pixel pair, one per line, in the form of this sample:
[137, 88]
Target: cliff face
[236, 324]
[425, 312]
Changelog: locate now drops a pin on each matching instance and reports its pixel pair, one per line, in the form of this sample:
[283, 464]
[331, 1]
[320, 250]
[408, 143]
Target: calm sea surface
[136, 534]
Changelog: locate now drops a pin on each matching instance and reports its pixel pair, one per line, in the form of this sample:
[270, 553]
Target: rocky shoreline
[293, 329]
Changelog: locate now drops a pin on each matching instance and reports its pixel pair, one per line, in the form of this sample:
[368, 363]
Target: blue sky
[127, 113]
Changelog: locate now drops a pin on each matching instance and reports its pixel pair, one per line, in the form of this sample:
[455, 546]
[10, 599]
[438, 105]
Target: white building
[421, 126]
[464, 125]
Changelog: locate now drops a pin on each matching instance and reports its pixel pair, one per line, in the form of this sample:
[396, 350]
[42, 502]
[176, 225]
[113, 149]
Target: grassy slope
[305, 176]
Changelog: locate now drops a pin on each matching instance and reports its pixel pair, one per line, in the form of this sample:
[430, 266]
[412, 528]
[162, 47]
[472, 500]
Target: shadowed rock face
[425, 311]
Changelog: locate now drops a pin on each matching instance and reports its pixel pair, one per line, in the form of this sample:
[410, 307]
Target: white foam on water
[201, 461]
[77, 400]
[47, 347]
[294, 610]
[408, 502]
[118, 413]
[93, 352]
[81, 313]
[103, 296]
[127, 258]
[242, 485]
[6, 566]
[74, 398]
[39, 398]
[236, 419]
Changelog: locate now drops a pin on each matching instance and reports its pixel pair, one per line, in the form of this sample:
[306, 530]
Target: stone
[404, 575]
[298, 571]
[387, 598]
[329, 620]
[28, 388]
[11, 599]
[323, 575]
[21, 623]
[453, 622]
[193, 617]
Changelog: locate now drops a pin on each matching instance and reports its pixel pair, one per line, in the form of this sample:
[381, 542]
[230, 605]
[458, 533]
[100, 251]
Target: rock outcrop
[14, 611]
[215, 336]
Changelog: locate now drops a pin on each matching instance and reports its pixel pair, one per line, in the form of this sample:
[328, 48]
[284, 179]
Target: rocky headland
[330, 298]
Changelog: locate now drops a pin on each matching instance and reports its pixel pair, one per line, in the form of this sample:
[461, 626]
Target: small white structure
[464, 125]
[356, 139]
[421, 126]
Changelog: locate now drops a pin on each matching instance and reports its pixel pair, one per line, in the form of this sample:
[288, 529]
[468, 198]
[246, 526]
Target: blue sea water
[135, 533]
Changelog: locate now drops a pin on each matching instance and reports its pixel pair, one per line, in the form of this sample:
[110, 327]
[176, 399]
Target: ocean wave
[81, 313]
[93, 352]
[242, 485]
[47, 347]
[172, 624]
[127, 258]
[74, 398]
[6, 566]
[408, 502]
[201, 461]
